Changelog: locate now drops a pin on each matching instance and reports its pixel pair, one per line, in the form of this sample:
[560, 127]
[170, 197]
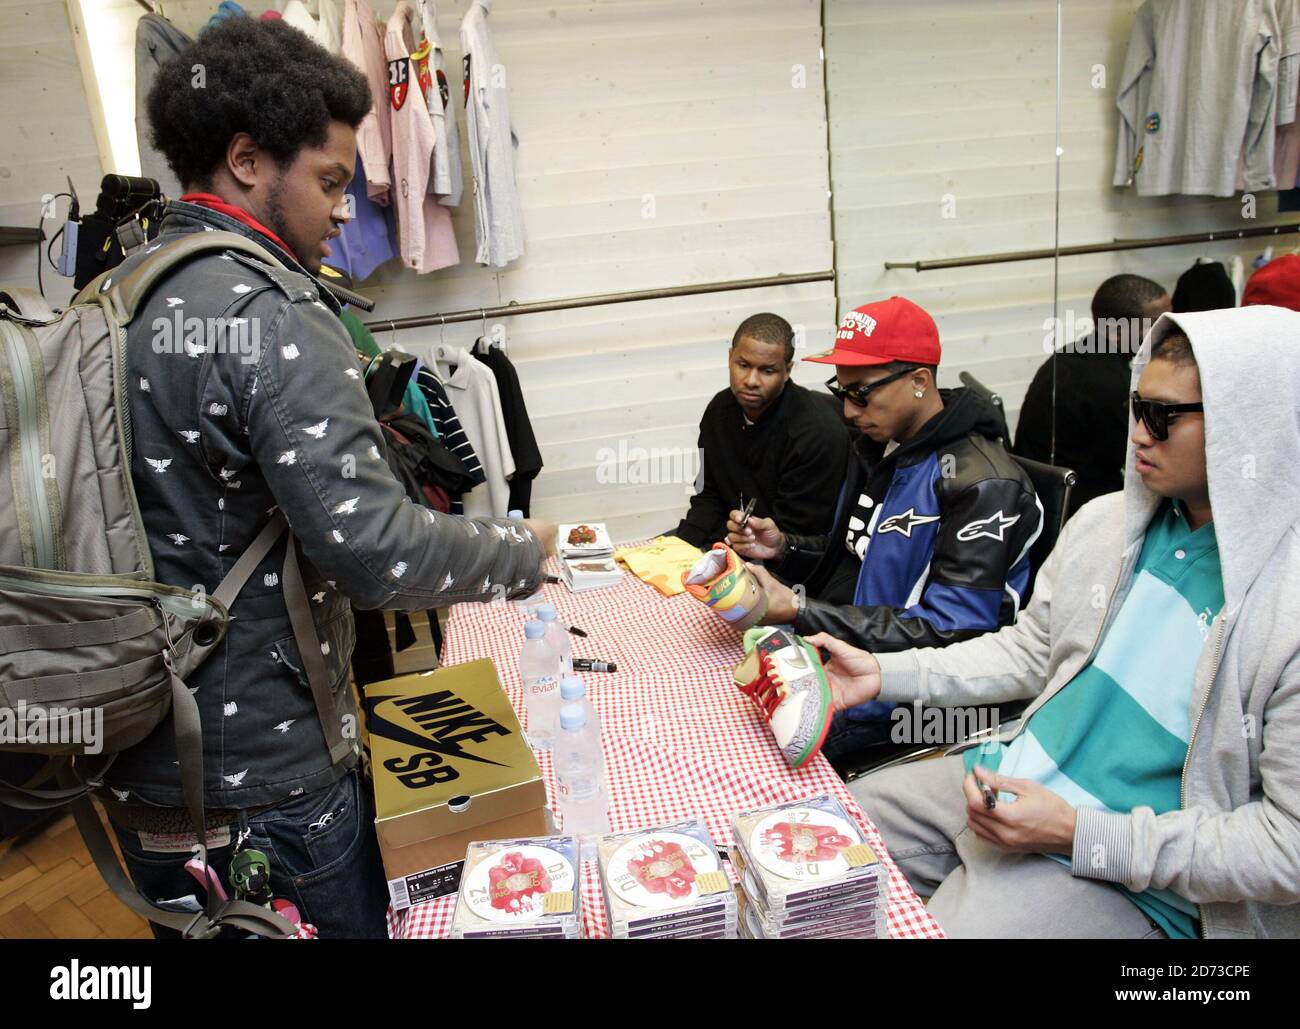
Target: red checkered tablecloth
[679, 739]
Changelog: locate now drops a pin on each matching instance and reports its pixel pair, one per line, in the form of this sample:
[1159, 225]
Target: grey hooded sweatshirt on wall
[273, 413]
[156, 40]
[1234, 847]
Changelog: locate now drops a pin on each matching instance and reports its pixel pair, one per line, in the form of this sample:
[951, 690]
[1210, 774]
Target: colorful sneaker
[785, 677]
[721, 580]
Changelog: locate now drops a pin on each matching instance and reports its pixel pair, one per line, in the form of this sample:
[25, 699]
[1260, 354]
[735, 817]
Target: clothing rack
[596, 300]
[1095, 248]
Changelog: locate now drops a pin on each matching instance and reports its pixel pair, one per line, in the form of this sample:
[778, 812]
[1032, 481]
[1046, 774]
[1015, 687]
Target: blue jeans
[324, 858]
[847, 737]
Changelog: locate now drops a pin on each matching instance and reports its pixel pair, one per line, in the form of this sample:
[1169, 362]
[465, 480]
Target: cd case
[520, 888]
[806, 867]
[667, 881]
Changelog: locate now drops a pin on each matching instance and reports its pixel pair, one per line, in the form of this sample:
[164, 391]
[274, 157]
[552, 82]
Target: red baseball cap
[1277, 283]
[888, 330]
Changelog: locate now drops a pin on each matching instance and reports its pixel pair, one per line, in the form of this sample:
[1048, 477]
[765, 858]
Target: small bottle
[582, 801]
[574, 691]
[557, 637]
[539, 669]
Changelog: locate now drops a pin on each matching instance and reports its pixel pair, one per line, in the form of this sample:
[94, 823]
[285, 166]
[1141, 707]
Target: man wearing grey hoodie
[1153, 786]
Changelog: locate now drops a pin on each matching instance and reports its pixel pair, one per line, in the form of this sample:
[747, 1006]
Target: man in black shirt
[767, 439]
[1092, 388]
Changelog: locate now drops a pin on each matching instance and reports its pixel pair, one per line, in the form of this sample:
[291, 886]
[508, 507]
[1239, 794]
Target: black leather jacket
[952, 519]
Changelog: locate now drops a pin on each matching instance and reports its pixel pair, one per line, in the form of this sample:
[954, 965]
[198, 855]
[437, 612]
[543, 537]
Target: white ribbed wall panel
[936, 98]
[46, 133]
[662, 143]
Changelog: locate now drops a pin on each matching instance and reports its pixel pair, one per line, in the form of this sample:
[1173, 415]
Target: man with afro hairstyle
[246, 399]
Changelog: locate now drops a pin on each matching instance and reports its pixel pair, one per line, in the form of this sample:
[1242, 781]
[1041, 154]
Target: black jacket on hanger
[519, 430]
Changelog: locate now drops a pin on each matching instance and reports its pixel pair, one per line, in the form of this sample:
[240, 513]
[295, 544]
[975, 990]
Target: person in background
[931, 540]
[1205, 286]
[1080, 394]
[1150, 789]
[766, 439]
[227, 437]
[1276, 284]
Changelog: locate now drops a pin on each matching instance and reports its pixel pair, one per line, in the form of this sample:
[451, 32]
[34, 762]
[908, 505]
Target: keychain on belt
[250, 877]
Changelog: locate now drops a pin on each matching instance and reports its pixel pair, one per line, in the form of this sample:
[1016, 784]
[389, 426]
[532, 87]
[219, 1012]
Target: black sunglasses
[1156, 415]
[861, 395]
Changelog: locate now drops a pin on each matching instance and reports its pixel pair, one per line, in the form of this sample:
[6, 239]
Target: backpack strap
[300, 618]
[28, 303]
[313, 663]
[127, 289]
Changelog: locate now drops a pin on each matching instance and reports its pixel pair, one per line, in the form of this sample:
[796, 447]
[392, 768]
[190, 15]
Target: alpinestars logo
[905, 522]
[993, 527]
[437, 725]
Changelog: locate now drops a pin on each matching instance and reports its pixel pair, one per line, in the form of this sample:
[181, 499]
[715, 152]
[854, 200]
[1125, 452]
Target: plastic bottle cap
[546, 612]
[534, 630]
[572, 687]
[573, 716]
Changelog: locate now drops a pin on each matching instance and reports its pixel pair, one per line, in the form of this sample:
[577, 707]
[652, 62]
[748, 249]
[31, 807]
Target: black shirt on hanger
[519, 430]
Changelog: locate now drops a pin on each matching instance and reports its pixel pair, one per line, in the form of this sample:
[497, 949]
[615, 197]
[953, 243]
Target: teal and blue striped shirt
[1115, 738]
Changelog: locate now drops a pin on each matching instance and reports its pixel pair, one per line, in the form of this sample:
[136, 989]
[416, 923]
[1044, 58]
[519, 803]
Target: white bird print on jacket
[317, 431]
[144, 385]
[347, 507]
[236, 779]
[121, 794]
[352, 373]
[241, 288]
[195, 348]
[173, 301]
[178, 539]
[399, 569]
[290, 352]
[288, 457]
[190, 435]
[227, 474]
[283, 727]
[159, 466]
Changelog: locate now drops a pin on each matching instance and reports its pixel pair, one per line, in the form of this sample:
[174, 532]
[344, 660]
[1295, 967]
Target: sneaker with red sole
[784, 676]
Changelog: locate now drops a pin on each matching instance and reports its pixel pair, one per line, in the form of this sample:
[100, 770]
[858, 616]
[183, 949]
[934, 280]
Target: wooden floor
[50, 889]
[49, 886]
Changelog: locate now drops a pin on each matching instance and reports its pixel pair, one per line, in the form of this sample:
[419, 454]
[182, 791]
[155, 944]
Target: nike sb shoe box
[451, 766]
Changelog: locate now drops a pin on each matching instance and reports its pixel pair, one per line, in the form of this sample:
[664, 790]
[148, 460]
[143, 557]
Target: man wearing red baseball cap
[933, 528]
[1276, 284]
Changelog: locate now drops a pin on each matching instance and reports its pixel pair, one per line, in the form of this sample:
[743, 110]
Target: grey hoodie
[1234, 847]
